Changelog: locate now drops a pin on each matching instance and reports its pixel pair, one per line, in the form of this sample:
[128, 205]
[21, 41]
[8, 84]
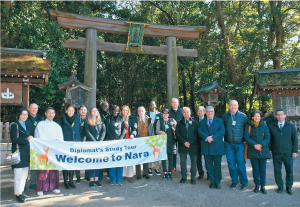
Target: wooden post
[25, 102]
[1, 130]
[172, 70]
[90, 65]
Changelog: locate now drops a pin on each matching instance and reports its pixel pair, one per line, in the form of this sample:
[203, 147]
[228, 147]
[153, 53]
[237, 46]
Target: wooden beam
[76, 21]
[31, 81]
[121, 48]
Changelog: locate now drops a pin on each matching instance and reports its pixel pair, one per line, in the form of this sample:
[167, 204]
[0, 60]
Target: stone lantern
[76, 93]
[209, 93]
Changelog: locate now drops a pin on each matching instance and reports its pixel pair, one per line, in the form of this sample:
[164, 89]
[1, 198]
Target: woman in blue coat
[258, 148]
[71, 128]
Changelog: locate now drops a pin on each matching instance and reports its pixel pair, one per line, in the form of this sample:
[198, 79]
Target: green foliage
[34, 162]
[159, 141]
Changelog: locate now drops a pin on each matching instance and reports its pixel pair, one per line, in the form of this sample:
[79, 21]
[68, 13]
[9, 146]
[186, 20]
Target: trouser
[115, 174]
[138, 169]
[77, 172]
[33, 177]
[287, 160]
[213, 167]
[94, 173]
[175, 155]
[259, 171]
[128, 171]
[154, 165]
[183, 158]
[87, 174]
[199, 162]
[20, 176]
[101, 173]
[170, 163]
[68, 175]
[236, 162]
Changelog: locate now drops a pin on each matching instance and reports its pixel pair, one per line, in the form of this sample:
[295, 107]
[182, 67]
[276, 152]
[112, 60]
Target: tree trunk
[277, 23]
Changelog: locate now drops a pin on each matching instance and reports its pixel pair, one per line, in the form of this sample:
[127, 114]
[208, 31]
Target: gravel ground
[159, 192]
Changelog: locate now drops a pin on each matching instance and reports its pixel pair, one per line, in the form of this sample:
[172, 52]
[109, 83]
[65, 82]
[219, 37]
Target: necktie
[209, 124]
[281, 126]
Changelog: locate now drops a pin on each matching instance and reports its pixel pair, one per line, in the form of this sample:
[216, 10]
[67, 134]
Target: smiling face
[210, 113]
[186, 113]
[50, 114]
[141, 111]
[83, 111]
[256, 118]
[94, 112]
[233, 106]
[200, 113]
[165, 115]
[125, 111]
[116, 112]
[152, 106]
[23, 116]
[70, 111]
[33, 109]
[174, 103]
[105, 106]
[280, 116]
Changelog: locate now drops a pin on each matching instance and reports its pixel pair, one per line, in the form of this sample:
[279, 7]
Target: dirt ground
[159, 192]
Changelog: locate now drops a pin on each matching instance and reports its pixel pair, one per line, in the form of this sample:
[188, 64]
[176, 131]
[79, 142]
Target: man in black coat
[175, 113]
[198, 119]
[155, 116]
[31, 122]
[284, 147]
[187, 136]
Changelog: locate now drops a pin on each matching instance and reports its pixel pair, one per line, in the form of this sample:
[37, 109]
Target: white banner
[50, 154]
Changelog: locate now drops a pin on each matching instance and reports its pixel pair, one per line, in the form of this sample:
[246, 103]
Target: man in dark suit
[187, 136]
[211, 131]
[284, 147]
[198, 119]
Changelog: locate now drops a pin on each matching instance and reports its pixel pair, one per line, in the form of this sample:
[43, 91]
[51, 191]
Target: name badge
[157, 117]
[116, 124]
[167, 127]
[82, 123]
[73, 124]
[190, 122]
[35, 123]
[233, 123]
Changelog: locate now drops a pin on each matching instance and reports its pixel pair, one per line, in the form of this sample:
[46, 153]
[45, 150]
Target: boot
[65, 175]
[71, 173]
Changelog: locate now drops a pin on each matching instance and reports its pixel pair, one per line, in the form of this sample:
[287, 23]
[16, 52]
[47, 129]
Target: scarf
[254, 123]
[70, 119]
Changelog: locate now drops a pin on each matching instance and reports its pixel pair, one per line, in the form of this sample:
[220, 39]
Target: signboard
[135, 34]
[11, 93]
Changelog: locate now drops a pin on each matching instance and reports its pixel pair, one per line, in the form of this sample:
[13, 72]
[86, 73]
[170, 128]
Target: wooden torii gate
[91, 45]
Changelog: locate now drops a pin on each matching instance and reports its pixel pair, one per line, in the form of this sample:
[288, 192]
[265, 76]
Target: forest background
[240, 37]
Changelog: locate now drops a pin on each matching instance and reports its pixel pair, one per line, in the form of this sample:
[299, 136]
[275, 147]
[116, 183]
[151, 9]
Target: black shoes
[193, 181]
[233, 185]
[166, 176]
[157, 171]
[201, 176]
[256, 189]
[138, 177]
[218, 186]
[78, 180]
[20, 198]
[170, 176]
[72, 184]
[150, 171]
[92, 184]
[66, 183]
[244, 187]
[212, 185]
[146, 176]
[263, 190]
[97, 183]
[183, 180]
[289, 191]
[279, 190]
[26, 195]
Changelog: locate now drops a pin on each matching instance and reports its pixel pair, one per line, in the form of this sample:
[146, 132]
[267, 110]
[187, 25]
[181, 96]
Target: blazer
[217, 130]
[24, 146]
[187, 135]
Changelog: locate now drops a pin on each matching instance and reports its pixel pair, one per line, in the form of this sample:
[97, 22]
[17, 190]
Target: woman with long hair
[94, 130]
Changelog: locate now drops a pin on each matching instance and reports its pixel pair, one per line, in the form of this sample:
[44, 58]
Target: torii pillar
[91, 44]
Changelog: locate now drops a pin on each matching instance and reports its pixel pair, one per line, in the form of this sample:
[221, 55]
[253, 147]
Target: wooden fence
[4, 130]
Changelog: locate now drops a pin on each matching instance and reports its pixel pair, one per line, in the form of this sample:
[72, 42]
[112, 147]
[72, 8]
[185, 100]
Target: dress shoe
[218, 186]
[67, 185]
[26, 195]
[244, 187]
[32, 186]
[183, 180]
[87, 179]
[130, 179]
[72, 184]
[212, 186]
[256, 189]
[289, 191]
[78, 180]
[20, 198]
[170, 176]
[233, 185]
[279, 190]
[193, 181]
[138, 177]
[146, 176]
[263, 190]
[166, 176]
[200, 175]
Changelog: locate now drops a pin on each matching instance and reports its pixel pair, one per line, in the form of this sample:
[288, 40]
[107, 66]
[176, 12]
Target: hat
[165, 111]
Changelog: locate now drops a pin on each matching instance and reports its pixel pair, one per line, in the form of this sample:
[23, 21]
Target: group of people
[203, 135]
